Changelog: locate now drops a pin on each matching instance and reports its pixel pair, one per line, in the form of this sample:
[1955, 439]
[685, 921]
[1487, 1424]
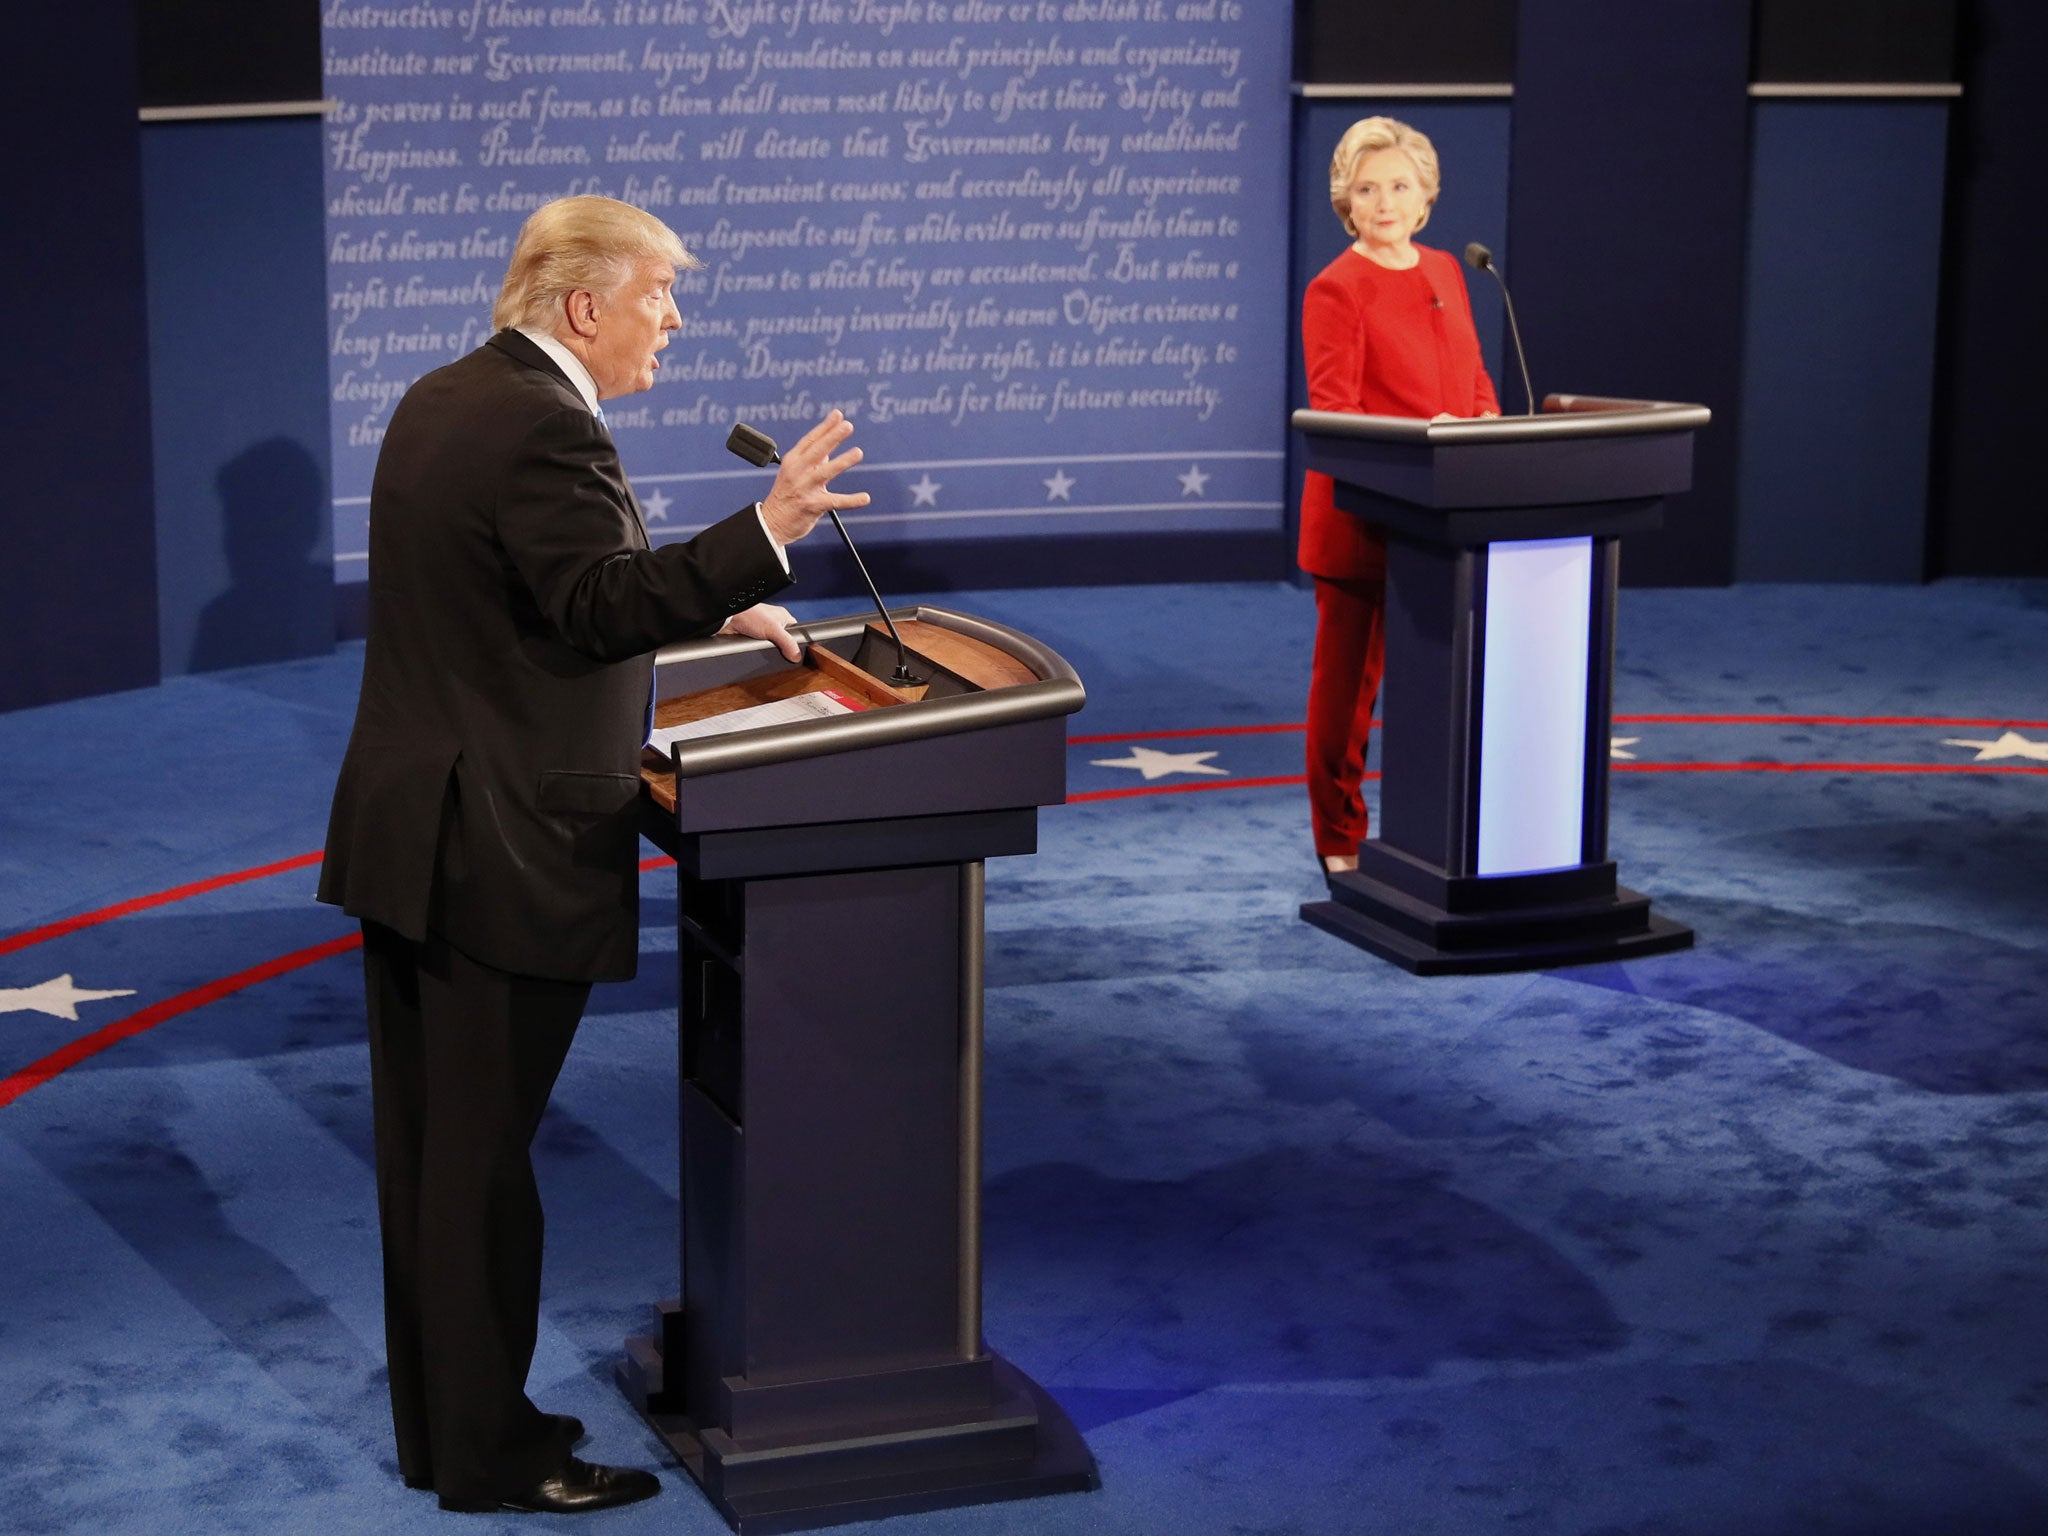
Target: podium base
[1021, 1446]
[1437, 926]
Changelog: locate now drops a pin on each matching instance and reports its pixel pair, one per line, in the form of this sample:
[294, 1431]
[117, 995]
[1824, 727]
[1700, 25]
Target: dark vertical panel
[77, 557]
[1444, 41]
[211, 52]
[1988, 519]
[1838, 369]
[238, 351]
[1810, 41]
[1626, 220]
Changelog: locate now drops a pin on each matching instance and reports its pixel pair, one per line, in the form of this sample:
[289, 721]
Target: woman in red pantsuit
[1386, 330]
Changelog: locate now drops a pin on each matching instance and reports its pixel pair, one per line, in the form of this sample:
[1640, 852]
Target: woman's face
[1387, 200]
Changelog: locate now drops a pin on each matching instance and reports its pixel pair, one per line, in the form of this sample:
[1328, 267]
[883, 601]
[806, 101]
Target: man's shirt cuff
[780, 553]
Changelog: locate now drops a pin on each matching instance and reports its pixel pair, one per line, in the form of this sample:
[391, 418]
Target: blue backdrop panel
[1631, 163]
[77, 557]
[1471, 139]
[1838, 367]
[1031, 247]
[244, 552]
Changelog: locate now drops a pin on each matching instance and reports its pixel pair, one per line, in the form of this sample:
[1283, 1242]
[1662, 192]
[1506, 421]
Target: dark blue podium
[1503, 565]
[825, 1361]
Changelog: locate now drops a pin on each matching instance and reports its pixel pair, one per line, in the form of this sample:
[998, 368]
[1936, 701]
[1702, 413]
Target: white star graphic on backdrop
[57, 997]
[656, 505]
[1057, 486]
[925, 493]
[1617, 746]
[1156, 765]
[1193, 482]
[2011, 744]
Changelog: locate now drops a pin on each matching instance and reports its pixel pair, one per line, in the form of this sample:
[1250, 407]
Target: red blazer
[1382, 343]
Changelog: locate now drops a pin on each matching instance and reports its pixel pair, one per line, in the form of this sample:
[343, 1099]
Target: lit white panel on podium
[1532, 734]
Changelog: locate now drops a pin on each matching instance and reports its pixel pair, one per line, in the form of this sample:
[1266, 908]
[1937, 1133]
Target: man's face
[632, 324]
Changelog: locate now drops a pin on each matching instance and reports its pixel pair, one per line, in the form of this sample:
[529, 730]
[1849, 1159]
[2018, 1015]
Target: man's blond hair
[576, 243]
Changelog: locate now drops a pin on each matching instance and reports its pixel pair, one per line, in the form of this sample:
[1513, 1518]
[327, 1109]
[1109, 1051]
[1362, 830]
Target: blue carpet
[1742, 1241]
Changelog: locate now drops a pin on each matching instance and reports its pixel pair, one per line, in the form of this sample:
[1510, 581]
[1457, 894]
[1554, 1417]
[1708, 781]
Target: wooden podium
[824, 1362]
[1503, 563]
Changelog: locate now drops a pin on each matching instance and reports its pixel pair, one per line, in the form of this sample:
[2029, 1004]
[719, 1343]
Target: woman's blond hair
[1368, 136]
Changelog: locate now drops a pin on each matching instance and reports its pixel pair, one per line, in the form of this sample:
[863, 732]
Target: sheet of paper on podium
[802, 706]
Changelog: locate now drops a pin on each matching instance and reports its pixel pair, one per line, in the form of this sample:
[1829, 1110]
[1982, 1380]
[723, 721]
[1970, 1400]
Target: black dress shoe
[577, 1489]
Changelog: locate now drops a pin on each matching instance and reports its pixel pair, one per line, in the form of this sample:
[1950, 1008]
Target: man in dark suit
[484, 825]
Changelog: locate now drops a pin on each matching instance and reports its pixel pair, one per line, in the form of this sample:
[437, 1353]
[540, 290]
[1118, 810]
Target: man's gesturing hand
[801, 494]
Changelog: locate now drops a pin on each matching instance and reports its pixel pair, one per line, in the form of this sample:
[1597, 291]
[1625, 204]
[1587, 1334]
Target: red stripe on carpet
[37, 1073]
[57, 930]
[1929, 720]
[1185, 789]
[1182, 789]
[32, 936]
[1823, 768]
[1894, 720]
[1214, 730]
[66, 925]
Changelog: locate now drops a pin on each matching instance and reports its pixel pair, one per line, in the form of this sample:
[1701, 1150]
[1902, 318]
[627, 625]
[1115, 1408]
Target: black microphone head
[1478, 257]
[754, 447]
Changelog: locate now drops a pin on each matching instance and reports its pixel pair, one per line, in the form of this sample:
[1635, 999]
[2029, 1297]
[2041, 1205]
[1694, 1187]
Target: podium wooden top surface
[990, 677]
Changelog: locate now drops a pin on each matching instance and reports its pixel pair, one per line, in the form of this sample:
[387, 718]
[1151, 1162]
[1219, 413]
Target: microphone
[758, 448]
[1477, 255]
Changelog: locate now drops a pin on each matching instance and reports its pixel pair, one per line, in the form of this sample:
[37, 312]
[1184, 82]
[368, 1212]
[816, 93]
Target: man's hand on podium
[766, 621]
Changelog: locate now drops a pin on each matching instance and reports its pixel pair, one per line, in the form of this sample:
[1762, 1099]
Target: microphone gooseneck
[758, 448]
[1478, 256]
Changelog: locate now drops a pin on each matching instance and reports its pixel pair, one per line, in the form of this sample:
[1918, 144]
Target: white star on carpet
[1617, 746]
[925, 493]
[1192, 483]
[57, 997]
[1156, 765]
[1057, 486]
[2011, 744]
[656, 505]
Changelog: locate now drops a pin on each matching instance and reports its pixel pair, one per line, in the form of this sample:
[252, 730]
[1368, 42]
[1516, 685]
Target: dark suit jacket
[490, 786]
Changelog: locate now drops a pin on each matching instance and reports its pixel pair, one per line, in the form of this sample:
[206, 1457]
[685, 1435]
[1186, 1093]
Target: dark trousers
[1344, 683]
[462, 1059]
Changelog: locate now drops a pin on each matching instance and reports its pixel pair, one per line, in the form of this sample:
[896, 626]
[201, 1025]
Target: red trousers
[1344, 684]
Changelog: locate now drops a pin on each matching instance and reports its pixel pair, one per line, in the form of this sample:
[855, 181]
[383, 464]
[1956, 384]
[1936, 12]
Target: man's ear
[581, 307]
